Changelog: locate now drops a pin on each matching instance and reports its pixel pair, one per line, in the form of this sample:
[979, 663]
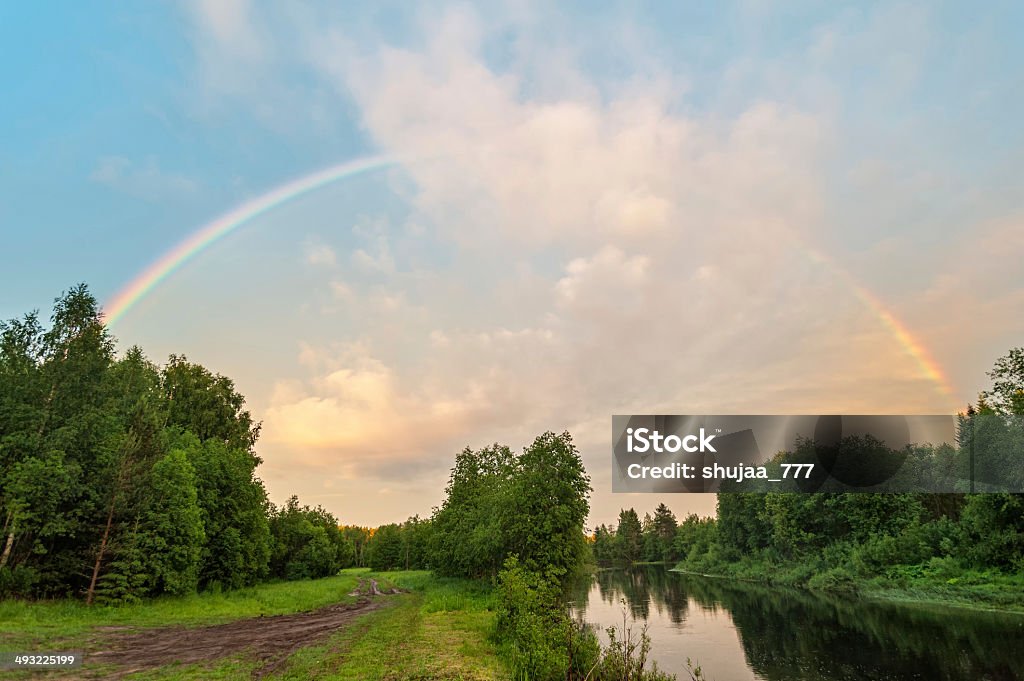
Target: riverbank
[433, 628]
[742, 630]
[935, 583]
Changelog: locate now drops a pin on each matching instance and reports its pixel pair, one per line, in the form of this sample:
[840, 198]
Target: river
[742, 632]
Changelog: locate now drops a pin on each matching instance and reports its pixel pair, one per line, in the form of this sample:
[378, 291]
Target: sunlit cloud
[578, 244]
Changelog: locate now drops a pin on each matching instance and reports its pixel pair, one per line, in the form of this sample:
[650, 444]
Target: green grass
[439, 630]
[970, 588]
[26, 622]
[924, 584]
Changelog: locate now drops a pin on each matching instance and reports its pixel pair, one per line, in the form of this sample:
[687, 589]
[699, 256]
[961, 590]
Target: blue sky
[599, 189]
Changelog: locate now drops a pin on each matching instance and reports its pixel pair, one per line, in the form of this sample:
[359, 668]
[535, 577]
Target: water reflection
[742, 631]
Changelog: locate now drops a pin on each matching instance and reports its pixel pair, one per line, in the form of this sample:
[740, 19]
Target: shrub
[834, 579]
[17, 581]
[543, 643]
[531, 623]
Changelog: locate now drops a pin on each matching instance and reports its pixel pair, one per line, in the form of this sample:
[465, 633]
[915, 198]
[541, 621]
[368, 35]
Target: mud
[268, 640]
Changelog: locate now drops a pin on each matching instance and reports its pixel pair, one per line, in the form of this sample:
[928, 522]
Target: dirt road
[267, 639]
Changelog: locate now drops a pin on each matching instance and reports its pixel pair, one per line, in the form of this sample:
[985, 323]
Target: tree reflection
[791, 634]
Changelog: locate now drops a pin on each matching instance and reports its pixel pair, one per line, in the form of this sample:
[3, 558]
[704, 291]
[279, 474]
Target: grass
[438, 631]
[67, 621]
[923, 584]
[969, 589]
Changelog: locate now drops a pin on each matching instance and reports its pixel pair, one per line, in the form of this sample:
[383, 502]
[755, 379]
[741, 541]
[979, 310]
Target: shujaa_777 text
[739, 473]
[644, 440]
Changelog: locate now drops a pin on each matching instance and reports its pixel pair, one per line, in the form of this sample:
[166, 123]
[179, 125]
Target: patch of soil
[267, 639]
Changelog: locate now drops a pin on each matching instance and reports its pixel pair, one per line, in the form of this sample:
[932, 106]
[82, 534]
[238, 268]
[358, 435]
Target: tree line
[658, 538]
[839, 540]
[121, 479]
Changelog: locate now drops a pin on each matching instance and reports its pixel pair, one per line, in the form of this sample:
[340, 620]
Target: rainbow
[174, 259]
[913, 347]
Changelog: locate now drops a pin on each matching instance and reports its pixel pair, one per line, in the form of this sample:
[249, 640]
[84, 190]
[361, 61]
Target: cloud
[318, 254]
[146, 181]
[229, 24]
[248, 57]
[680, 279]
[361, 419]
[588, 244]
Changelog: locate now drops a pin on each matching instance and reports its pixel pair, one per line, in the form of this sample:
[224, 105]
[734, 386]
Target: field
[319, 629]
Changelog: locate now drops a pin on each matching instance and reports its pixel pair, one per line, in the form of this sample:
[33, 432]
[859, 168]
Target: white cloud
[229, 24]
[608, 250]
[684, 284]
[145, 181]
[320, 254]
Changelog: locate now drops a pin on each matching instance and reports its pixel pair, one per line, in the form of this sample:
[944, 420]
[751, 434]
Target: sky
[591, 209]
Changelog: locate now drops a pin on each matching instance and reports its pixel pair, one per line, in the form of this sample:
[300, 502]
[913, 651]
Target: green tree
[307, 542]
[62, 435]
[470, 537]
[355, 538]
[550, 497]
[385, 550]
[604, 546]
[234, 507]
[1007, 393]
[664, 526]
[629, 536]
[126, 579]
[207, 405]
[416, 538]
[170, 527]
[135, 400]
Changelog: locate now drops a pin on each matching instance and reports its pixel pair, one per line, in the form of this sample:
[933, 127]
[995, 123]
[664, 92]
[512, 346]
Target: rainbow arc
[171, 261]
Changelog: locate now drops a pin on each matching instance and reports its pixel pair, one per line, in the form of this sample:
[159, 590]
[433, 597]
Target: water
[742, 632]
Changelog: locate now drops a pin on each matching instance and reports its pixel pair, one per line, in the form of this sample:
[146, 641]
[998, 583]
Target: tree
[416, 537]
[629, 536]
[356, 538]
[605, 549]
[498, 504]
[135, 400]
[207, 405]
[664, 522]
[1007, 393]
[62, 434]
[470, 537]
[385, 549]
[170, 526]
[306, 542]
[550, 497]
[234, 507]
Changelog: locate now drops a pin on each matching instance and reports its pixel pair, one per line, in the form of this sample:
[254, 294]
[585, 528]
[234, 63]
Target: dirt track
[267, 639]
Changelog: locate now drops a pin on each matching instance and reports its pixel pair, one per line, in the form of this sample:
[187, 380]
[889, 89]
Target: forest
[121, 479]
[953, 545]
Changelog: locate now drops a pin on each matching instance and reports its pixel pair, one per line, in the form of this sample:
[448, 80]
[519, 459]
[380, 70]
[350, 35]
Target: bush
[626, 657]
[910, 547]
[834, 579]
[17, 581]
[543, 643]
[531, 623]
[947, 568]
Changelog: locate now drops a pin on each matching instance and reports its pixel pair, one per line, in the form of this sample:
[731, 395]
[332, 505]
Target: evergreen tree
[629, 536]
